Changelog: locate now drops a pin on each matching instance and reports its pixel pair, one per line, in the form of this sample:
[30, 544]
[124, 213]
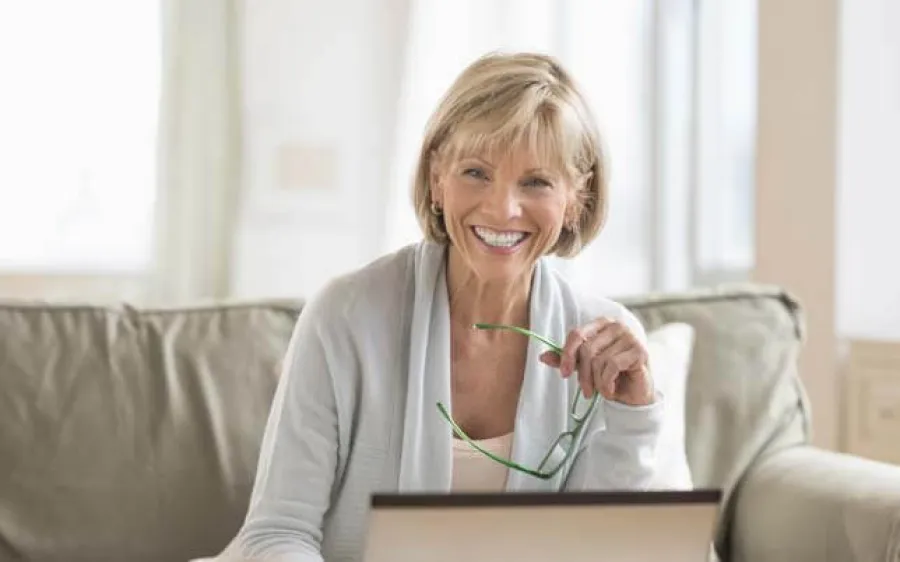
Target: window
[726, 136]
[608, 48]
[673, 85]
[78, 138]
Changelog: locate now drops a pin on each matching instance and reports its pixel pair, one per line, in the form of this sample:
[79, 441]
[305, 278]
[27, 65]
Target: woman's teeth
[499, 239]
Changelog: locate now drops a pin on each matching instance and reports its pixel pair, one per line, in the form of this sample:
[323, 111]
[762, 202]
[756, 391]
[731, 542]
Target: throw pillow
[670, 348]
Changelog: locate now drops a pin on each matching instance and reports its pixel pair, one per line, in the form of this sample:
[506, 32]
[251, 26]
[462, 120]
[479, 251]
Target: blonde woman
[389, 385]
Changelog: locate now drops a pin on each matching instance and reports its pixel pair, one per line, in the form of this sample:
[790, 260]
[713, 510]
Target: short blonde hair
[502, 101]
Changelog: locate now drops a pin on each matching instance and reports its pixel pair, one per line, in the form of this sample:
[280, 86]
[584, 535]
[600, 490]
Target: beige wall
[797, 181]
[72, 287]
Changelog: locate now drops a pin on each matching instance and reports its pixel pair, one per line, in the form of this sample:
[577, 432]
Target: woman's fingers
[570, 349]
[550, 358]
[610, 332]
[599, 352]
[598, 335]
[585, 375]
[611, 362]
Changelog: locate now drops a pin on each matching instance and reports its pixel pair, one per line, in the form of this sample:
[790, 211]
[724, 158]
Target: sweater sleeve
[618, 451]
[298, 457]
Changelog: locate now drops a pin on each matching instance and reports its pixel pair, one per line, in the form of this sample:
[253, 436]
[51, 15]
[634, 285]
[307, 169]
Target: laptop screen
[572, 526]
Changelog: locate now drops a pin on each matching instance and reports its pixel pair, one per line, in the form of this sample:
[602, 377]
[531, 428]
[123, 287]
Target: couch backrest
[133, 434]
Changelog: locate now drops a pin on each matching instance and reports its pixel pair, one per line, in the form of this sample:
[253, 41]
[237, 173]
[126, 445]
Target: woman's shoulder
[590, 306]
[382, 284]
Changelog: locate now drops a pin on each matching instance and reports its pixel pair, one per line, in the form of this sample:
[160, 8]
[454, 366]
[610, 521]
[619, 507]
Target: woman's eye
[536, 182]
[476, 173]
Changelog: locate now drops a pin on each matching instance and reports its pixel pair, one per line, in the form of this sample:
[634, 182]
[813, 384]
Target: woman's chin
[502, 266]
[498, 264]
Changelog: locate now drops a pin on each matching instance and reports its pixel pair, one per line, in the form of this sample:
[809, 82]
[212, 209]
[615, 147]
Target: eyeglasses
[566, 439]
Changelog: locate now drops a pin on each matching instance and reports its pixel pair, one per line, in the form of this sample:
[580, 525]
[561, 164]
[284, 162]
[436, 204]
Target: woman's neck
[473, 299]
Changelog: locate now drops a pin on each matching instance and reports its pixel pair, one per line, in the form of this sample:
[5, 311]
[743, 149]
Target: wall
[73, 287]
[868, 207]
[828, 185]
[796, 181]
[319, 131]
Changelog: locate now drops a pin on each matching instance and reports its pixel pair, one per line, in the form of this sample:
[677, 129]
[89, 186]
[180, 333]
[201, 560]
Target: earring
[435, 210]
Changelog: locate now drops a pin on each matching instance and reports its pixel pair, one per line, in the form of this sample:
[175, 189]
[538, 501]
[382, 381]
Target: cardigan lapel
[425, 460]
[543, 403]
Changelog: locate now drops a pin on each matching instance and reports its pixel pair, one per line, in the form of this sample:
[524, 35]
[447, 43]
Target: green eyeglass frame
[578, 422]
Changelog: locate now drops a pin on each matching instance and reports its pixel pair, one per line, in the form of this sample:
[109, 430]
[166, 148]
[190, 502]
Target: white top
[355, 410]
[473, 471]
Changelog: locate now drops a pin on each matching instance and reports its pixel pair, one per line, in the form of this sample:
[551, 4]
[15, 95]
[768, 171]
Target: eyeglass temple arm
[525, 332]
[553, 346]
[509, 464]
[556, 348]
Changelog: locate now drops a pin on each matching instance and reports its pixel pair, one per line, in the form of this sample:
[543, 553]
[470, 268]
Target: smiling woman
[510, 173]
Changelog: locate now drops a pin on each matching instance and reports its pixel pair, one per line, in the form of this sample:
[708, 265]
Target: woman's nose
[503, 201]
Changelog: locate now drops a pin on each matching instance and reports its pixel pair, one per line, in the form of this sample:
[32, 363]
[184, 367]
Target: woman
[510, 171]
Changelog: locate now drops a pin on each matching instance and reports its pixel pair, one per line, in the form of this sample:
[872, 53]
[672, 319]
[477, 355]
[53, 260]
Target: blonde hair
[504, 101]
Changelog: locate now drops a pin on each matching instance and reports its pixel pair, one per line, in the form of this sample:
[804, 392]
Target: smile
[499, 239]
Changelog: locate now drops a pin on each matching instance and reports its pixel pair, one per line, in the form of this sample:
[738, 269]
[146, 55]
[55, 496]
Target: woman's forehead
[518, 153]
[515, 157]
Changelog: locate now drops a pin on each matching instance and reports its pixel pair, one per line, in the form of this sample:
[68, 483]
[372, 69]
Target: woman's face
[502, 214]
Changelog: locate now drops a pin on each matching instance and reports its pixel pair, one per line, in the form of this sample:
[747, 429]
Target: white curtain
[199, 150]
[607, 46]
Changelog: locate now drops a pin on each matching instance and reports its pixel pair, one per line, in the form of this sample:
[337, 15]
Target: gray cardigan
[355, 410]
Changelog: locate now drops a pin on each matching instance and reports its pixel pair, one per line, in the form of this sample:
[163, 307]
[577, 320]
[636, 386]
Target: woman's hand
[609, 359]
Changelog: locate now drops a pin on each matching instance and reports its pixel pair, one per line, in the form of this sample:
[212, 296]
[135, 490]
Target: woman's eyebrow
[539, 170]
[479, 159]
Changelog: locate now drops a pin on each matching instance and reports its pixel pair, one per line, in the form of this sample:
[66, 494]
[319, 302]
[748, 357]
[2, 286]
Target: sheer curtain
[607, 46]
[199, 150]
[119, 128]
[77, 131]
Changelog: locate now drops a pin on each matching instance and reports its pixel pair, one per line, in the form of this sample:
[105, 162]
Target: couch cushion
[131, 435]
[745, 399]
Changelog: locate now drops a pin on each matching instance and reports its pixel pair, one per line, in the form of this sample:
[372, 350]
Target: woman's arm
[298, 457]
[619, 450]
[621, 455]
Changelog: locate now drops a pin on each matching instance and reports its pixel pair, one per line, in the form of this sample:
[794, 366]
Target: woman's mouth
[498, 239]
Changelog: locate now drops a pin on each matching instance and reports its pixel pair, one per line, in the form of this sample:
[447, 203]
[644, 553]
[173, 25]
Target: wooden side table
[872, 382]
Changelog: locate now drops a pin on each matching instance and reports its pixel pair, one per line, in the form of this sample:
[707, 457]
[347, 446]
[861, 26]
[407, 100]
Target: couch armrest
[810, 505]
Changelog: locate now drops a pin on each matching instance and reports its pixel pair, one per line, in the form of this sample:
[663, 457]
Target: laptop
[676, 526]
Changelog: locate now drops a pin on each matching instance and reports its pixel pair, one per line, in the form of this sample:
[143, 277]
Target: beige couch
[132, 435]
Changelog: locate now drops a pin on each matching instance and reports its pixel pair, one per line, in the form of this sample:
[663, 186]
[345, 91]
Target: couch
[132, 434]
